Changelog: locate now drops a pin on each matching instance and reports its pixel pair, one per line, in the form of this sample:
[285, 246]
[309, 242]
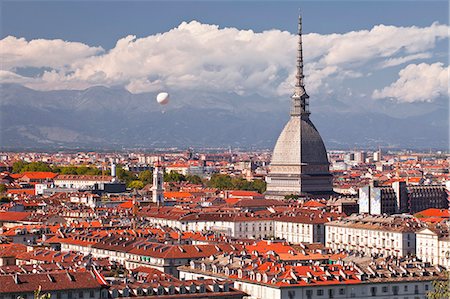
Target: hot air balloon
[162, 98]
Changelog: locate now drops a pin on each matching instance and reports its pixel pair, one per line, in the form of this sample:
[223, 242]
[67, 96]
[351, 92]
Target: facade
[261, 277]
[80, 181]
[385, 235]
[304, 226]
[133, 252]
[433, 245]
[401, 198]
[299, 162]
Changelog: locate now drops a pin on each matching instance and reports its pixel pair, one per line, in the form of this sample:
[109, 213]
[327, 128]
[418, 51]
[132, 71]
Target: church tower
[157, 188]
[299, 163]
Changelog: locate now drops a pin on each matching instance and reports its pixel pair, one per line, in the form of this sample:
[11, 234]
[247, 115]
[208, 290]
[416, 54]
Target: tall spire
[300, 103]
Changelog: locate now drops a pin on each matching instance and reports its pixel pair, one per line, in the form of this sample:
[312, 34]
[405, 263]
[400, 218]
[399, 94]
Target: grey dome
[299, 143]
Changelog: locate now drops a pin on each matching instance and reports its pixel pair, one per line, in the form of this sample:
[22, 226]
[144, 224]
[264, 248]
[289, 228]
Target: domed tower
[299, 163]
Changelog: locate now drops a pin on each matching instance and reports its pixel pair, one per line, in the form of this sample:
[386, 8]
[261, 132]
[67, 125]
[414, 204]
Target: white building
[263, 279]
[433, 245]
[80, 181]
[387, 235]
[303, 226]
[250, 225]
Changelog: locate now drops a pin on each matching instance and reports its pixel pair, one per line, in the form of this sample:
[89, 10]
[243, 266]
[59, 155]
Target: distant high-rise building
[377, 156]
[299, 163]
[360, 157]
[401, 198]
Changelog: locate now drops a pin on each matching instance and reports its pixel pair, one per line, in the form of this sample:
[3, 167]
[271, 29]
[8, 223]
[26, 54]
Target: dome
[299, 163]
[299, 143]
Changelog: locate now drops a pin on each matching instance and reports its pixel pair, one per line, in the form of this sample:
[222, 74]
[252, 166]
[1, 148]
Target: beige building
[369, 234]
[433, 245]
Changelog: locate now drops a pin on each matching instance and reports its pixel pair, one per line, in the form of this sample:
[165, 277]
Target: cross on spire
[300, 103]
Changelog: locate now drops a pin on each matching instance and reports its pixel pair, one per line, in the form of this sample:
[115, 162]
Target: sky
[362, 52]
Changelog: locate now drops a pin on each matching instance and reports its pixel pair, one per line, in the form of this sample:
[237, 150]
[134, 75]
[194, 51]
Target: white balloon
[162, 98]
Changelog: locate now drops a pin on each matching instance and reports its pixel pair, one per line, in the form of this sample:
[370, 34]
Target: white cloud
[418, 83]
[209, 58]
[382, 41]
[401, 60]
[56, 53]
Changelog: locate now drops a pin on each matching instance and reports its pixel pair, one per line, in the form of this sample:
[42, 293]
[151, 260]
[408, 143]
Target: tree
[259, 185]
[125, 176]
[174, 176]
[220, 181]
[18, 166]
[36, 166]
[145, 176]
[136, 184]
[68, 170]
[3, 188]
[84, 170]
[441, 288]
[194, 179]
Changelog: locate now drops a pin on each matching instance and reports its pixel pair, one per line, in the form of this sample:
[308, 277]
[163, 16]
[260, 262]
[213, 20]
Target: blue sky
[104, 22]
[366, 54]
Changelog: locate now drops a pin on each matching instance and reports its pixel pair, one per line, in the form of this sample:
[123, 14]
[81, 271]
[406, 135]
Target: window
[426, 287]
[80, 294]
[91, 294]
[58, 295]
[405, 288]
[416, 289]
[341, 291]
[384, 289]
[309, 294]
[395, 290]
[319, 292]
[373, 291]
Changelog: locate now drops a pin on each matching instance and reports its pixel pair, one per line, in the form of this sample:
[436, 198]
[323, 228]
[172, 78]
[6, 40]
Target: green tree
[441, 288]
[125, 175]
[3, 188]
[220, 181]
[135, 184]
[145, 176]
[259, 185]
[18, 166]
[68, 170]
[194, 179]
[174, 176]
[85, 170]
[36, 166]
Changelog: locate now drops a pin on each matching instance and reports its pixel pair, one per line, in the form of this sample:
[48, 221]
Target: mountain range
[113, 118]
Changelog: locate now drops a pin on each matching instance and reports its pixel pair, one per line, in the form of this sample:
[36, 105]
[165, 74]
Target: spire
[300, 103]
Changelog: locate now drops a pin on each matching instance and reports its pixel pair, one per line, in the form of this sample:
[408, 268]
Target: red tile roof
[39, 175]
[13, 216]
[28, 283]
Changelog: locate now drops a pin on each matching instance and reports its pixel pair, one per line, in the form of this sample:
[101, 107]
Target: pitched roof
[28, 283]
[39, 175]
[13, 216]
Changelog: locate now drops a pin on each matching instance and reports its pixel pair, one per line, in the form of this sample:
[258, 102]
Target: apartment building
[372, 234]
